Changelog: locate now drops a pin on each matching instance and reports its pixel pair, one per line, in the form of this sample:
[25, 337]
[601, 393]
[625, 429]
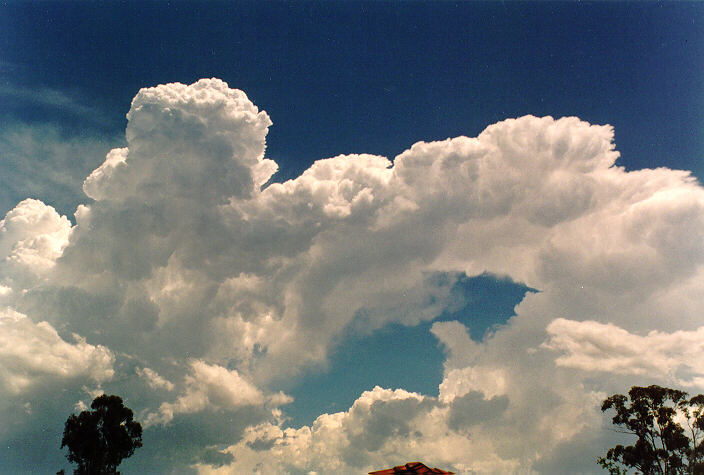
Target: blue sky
[359, 273]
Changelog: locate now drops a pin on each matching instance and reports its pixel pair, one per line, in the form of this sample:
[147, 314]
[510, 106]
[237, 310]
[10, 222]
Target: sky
[333, 237]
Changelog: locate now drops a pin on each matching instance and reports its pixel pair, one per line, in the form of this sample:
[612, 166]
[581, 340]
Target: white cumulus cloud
[210, 387]
[210, 291]
[594, 346]
[32, 237]
[32, 354]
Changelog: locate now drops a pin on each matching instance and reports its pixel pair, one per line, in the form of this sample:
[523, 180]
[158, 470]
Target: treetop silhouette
[100, 439]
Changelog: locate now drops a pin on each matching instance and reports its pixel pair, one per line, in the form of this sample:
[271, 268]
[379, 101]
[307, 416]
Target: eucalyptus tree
[668, 427]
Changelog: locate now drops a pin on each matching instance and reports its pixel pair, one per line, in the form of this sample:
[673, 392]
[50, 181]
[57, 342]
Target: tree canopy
[669, 429]
[98, 440]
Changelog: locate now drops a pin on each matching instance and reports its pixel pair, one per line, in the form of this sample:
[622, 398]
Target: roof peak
[411, 468]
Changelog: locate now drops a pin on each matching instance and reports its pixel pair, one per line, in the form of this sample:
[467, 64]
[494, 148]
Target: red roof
[411, 468]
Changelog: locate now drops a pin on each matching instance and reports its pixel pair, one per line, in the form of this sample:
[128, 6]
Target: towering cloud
[196, 290]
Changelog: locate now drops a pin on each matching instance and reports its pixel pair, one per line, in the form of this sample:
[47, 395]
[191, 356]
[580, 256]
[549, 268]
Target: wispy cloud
[40, 161]
[47, 97]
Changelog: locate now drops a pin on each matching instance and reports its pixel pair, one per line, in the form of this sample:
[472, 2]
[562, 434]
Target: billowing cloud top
[195, 292]
[204, 141]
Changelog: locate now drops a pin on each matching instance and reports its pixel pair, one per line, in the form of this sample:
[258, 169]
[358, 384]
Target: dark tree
[663, 446]
[98, 440]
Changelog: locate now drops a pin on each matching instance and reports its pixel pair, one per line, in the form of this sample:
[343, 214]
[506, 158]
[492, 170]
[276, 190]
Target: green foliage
[654, 414]
[98, 440]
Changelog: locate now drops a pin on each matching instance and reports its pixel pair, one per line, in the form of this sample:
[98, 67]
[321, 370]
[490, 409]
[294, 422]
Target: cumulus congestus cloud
[196, 292]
